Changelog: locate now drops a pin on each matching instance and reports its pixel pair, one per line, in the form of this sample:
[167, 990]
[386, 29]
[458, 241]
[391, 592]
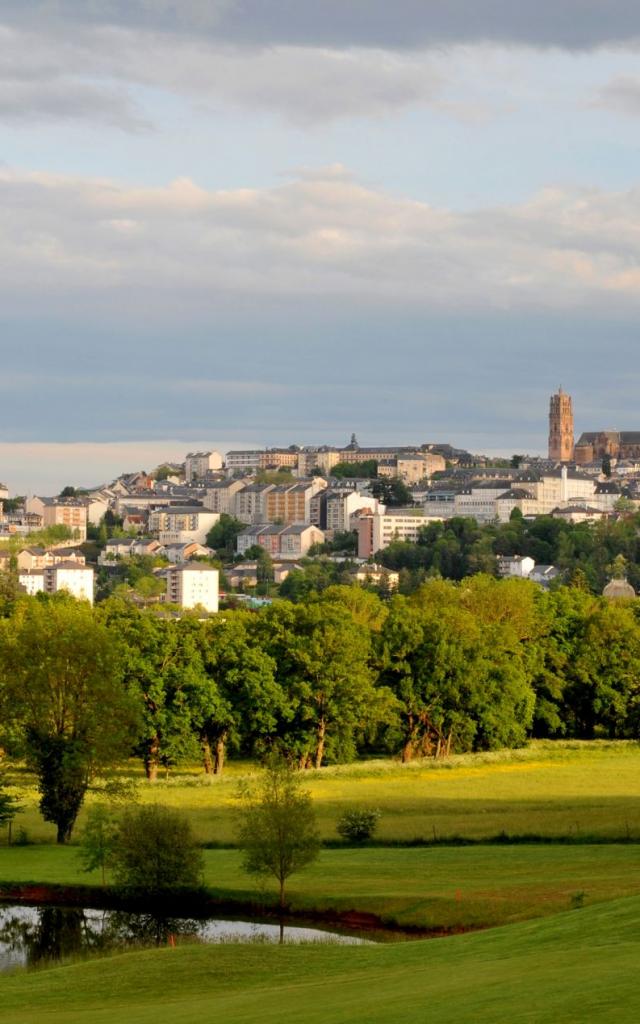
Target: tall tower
[561, 427]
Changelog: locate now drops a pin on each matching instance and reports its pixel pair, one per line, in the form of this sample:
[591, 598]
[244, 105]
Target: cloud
[327, 235]
[621, 94]
[46, 80]
[405, 24]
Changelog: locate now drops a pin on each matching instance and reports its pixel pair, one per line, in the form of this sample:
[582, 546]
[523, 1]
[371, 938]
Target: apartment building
[182, 523]
[341, 505]
[75, 579]
[291, 503]
[30, 559]
[250, 503]
[69, 512]
[191, 585]
[198, 464]
[376, 530]
[220, 496]
[285, 542]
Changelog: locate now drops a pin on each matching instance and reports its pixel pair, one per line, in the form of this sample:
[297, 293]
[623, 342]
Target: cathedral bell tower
[561, 427]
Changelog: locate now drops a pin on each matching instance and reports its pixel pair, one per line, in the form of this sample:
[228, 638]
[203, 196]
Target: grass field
[444, 887]
[548, 788]
[577, 967]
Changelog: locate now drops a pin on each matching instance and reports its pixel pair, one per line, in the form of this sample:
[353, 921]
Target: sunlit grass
[552, 789]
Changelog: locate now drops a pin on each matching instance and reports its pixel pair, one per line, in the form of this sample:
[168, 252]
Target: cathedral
[590, 446]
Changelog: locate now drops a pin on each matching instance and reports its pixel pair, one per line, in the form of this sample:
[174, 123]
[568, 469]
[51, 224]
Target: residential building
[4, 491]
[341, 505]
[220, 496]
[376, 575]
[516, 565]
[193, 585]
[250, 503]
[179, 524]
[376, 530]
[285, 542]
[69, 512]
[291, 503]
[198, 464]
[31, 581]
[180, 553]
[411, 469]
[70, 576]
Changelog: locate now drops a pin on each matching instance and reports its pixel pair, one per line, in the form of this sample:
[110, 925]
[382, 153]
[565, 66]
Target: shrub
[154, 852]
[358, 825]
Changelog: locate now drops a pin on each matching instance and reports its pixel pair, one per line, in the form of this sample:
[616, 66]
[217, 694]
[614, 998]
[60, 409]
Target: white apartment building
[69, 576]
[479, 500]
[244, 460]
[32, 580]
[198, 464]
[193, 585]
[376, 530]
[178, 524]
[341, 505]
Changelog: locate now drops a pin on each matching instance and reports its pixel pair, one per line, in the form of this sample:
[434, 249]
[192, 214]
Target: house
[376, 575]
[544, 574]
[516, 565]
[179, 553]
[192, 585]
[115, 549]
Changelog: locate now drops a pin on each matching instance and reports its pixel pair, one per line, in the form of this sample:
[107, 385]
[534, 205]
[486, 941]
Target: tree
[98, 840]
[68, 492]
[61, 681]
[222, 536]
[277, 831]
[155, 853]
[606, 465]
[392, 492]
[9, 805]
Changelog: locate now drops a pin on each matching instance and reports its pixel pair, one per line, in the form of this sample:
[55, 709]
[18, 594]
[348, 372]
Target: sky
[231, 223]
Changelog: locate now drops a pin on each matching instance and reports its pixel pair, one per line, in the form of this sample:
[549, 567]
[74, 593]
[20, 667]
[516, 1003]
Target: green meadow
[548, 788]
[552, 929]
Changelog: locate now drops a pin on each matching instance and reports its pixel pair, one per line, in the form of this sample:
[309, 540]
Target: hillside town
[182, 525]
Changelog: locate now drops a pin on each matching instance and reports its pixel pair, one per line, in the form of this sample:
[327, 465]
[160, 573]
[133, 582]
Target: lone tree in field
[61, 683]
[277, 831]
[9, 805]
[154, 852]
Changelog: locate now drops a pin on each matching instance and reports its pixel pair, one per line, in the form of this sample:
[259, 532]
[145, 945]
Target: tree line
[460, 547]
[475, 665]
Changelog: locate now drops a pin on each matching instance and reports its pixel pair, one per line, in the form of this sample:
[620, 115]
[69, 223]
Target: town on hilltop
[239, 526]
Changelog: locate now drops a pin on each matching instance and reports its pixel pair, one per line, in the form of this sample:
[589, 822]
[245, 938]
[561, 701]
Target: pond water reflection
[33, 935]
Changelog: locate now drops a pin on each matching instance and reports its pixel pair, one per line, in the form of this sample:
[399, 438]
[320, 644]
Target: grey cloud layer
[571, 24]
[322, 235]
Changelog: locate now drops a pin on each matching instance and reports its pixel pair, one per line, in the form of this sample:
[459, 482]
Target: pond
[36, 935]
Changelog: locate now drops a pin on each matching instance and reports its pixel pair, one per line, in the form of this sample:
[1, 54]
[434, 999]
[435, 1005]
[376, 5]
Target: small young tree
[98, 840]
[9, 806]
[155, 853]
[277, 830]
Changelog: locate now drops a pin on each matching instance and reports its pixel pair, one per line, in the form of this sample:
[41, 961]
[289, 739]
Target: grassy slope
[548, 788]
[438, 887]
[578, 966]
